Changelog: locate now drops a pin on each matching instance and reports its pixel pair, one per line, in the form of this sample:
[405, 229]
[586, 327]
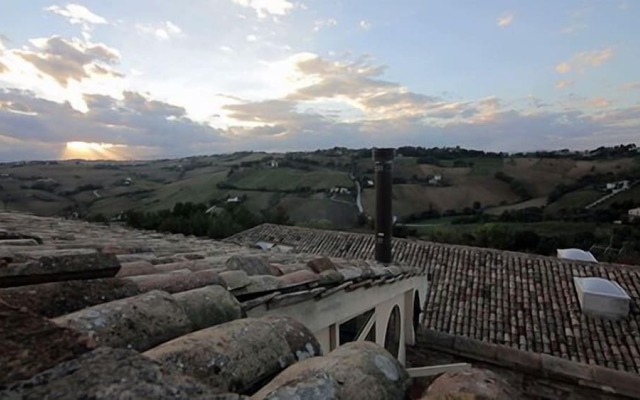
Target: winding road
[359, 197]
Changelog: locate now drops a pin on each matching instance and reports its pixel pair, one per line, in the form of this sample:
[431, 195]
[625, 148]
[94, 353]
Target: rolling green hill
[446, 181]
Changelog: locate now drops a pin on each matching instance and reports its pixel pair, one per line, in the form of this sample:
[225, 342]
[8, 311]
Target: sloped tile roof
[521, 300]
[90, 285]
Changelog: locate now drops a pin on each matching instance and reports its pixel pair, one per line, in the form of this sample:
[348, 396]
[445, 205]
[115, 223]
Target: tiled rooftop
[520, 300]
[168, 304]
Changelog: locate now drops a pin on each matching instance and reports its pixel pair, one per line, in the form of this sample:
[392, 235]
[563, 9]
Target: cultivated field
[412, 199]
[316, 212]
[301, 185]
[287, 179]
[537, 202]
[578, 199]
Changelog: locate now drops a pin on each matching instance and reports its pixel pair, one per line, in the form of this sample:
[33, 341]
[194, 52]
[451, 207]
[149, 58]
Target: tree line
[193, 219]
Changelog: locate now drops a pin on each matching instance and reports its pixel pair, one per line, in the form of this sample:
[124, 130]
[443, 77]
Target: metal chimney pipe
[383, 159]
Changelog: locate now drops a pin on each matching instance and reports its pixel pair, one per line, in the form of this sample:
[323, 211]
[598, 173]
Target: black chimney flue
[383, 159]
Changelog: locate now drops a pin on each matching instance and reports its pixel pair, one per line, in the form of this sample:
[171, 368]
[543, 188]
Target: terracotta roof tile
[520, 300]
[160, 288]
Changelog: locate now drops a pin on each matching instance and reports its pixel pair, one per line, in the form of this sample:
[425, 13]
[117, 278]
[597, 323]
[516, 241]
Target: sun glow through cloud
[94, 151]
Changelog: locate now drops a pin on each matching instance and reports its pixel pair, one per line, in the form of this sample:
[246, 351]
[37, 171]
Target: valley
[438, 194]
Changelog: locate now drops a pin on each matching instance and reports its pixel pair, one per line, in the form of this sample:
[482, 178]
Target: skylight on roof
[576, 255]
[603, 287]
[602, 298]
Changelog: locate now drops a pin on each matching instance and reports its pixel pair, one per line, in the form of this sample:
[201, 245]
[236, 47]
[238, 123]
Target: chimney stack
[383, 159]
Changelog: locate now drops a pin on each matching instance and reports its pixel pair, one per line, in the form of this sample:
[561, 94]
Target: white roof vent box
[602, 298]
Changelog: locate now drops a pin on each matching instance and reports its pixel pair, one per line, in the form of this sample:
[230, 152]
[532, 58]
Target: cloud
[573, 28]
[318, 102]
[631, 85]
[351, 98]
[324, 23]
[347, 103]
[365, 25]
[334, 98]
[265, 8]
[598, 102]
[273, 117]
[356, 84]
[77, 14]
[500, 130]
[563, 84]
[65, 60]
[29, 125]
[505, 20]
[133, 120]
[163, 31]
[3, 68]
[578, 20]
[563, 68]
[583, 60]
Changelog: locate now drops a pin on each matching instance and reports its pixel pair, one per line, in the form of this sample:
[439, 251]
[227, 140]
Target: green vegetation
[577, 199]
[476, 199]
[192, 219]
[486, 166]
[286, 180]
[536, 237]
[632, 195]
[518, 187]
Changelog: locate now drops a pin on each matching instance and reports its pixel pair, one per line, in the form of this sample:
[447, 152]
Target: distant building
[435, 180]
[634, 214]
[235, 199]
[621, 185]
[274, 163]
[340, 190]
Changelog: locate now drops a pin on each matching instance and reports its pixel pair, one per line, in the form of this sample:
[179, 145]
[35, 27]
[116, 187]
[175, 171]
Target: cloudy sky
[151, 78]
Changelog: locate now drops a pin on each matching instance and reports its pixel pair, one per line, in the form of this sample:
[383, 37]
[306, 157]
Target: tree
[494, 235]
[278, 216]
